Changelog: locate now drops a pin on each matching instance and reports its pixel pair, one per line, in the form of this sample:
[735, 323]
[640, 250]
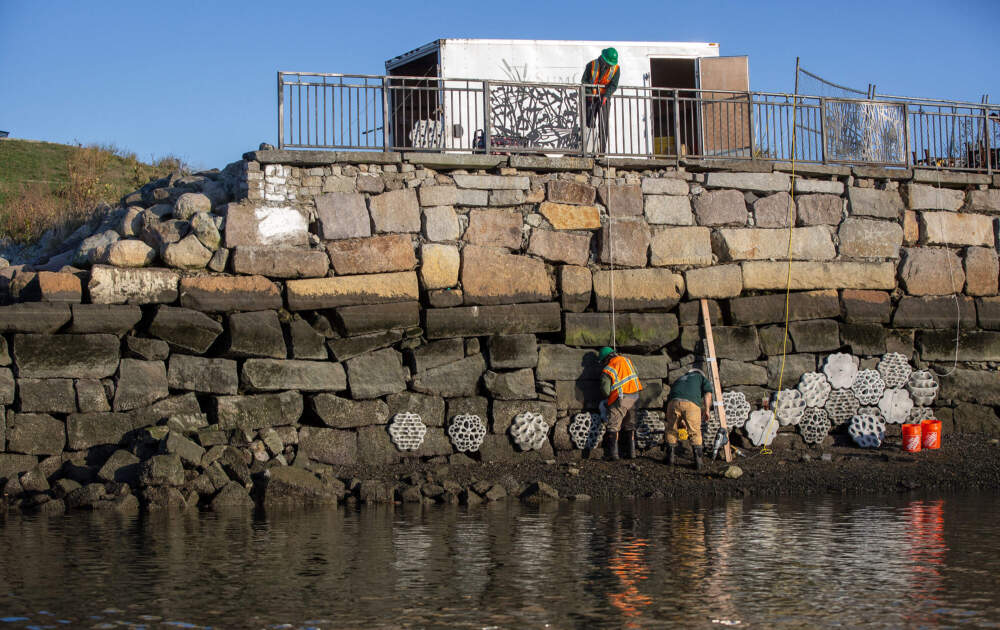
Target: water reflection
[883, 562]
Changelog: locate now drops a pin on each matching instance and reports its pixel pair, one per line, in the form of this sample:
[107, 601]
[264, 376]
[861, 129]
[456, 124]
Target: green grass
[45, 184]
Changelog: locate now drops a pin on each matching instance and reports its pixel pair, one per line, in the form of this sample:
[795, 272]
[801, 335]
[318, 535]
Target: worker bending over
[688, 403]
[620, 386]
[602, 72]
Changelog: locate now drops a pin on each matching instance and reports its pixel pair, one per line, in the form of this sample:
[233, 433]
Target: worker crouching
[688, 404]
[620, 386]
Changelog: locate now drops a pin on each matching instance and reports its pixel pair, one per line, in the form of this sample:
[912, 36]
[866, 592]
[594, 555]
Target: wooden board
[716, 384]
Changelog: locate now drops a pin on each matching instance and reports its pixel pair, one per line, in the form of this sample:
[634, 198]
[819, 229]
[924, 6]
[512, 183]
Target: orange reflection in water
[629, 565]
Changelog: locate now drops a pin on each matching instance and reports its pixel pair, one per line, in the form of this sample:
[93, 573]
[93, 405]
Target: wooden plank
[716, 384]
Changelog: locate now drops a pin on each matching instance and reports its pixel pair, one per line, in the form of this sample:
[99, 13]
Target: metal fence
[390, 113]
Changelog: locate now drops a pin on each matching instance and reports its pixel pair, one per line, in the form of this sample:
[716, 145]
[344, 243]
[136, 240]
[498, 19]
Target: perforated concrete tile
[896, 405]
[841, 405]
[761, 427]
[815, 388]
[650, 428]
[867, 431]
[923, 387]
[788, 406]
[895, 369]
[407, 431]
[868, 387]
[529, 430]
[815, 425]
[840, 370]
[737, 409]
[586, 430]
[467, 432]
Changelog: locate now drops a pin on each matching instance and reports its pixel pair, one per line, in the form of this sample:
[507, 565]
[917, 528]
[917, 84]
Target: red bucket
[932, 433]
[912, 437]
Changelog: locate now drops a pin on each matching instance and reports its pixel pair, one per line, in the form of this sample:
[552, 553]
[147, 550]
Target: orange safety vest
[603, 79]
[624, 380]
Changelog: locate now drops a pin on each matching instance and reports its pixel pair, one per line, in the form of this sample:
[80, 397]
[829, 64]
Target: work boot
[627, 440]
[611, 446]
[671, 457]
[697, 451]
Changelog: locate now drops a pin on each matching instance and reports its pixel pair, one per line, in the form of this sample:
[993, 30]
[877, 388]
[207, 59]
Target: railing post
[386, 143]
[487, 135]
[906, 136]
[281, 111]
[986, 141]
[750, 122]
[583, 120]
[822, 129]
[677, 129]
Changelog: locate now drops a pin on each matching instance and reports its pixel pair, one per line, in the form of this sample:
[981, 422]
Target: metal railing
[389, 113]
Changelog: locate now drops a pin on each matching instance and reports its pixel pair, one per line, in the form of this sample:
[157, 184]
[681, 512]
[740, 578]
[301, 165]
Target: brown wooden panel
[725, 118]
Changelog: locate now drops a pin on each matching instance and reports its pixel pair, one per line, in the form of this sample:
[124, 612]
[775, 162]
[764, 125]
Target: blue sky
[197, 79]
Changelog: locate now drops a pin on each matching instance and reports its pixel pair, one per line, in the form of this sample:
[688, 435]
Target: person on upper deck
[601, 76]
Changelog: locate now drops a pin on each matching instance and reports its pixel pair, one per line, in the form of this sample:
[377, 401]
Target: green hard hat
[610, 56]
[605, 353]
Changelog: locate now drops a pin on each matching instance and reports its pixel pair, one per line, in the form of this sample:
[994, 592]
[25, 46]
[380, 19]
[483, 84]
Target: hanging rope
[611, 253]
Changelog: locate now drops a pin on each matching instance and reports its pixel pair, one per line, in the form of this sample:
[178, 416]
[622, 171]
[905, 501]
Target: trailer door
[725, 117]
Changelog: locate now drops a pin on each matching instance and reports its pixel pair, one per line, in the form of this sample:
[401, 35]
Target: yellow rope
[765, 450]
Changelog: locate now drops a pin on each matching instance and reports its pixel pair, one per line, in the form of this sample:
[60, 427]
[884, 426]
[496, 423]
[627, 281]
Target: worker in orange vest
[601, 77]
[620, 386]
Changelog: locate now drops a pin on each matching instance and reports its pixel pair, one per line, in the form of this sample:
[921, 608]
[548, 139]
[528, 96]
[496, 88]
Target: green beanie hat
[610, 56]
[605, 353]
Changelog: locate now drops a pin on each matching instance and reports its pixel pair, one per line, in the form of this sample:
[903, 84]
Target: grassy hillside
[44, 184]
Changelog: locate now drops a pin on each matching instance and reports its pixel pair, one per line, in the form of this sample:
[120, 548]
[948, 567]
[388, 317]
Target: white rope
[611, 252]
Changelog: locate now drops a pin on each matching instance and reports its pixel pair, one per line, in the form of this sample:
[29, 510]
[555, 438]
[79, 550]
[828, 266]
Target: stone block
[988, 310]
[922, 197]
[949, 228]
[562, 363]
[59, 287]
[492, 276]
[91, 396]
[187, 253]
[435, 354]
[866, 238]
[689, 313]
[223, 294]
[65, 356]
[504, 411]
[762, 275]
[35, 434]
[122, 467]
[49, 395]
[808, 243]
[864, 339]
[472, 197]
[429, 408]
[342, 215]
[633, 330]
[377, 254]
[982, 269]
[884, 204]
[806, 186]
[866, 307]
[395, 211]
[492, 182]
[720, 281]
[256, 334]
[976, 419]
[667, 210]
[815, 335]
[664, 186]
[575, 288]
[329, 446]
[931, 271]
[755, 182]
[140, 383]
[507, 197]
[565, 191]
[452, 380]
[681, 246]
[621, 200]
[439, 265]
[361, 320]
[250, 225]
[767, 309]
[911, 228]
[438, 195]
[495, 228]
[321, 293]
[739, 343]
[773, 211]
[514, 385]
[376, 374]
[569, 217]
[114, 319]
[250, 413]
[508, 352]
[111, 285]
[934, 312]
[202, 374]
[347, 348]
[306, 341]
[185, 329]
[795, 366]
[625, 242]
[344, 413]
[280, 262]
[33, 317]
[978, 386]
[441, 224]
[973, 345]
[86, 430]
[984, 200]
[739, 373]
[560, 247]
[638, 289]
[819, 209]
[901, 341]
[146, 349]
[268, 375]
[721, 207]
[473, 321]
[130, 253]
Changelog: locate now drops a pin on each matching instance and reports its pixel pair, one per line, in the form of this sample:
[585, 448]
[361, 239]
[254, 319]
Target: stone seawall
[261, 327]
